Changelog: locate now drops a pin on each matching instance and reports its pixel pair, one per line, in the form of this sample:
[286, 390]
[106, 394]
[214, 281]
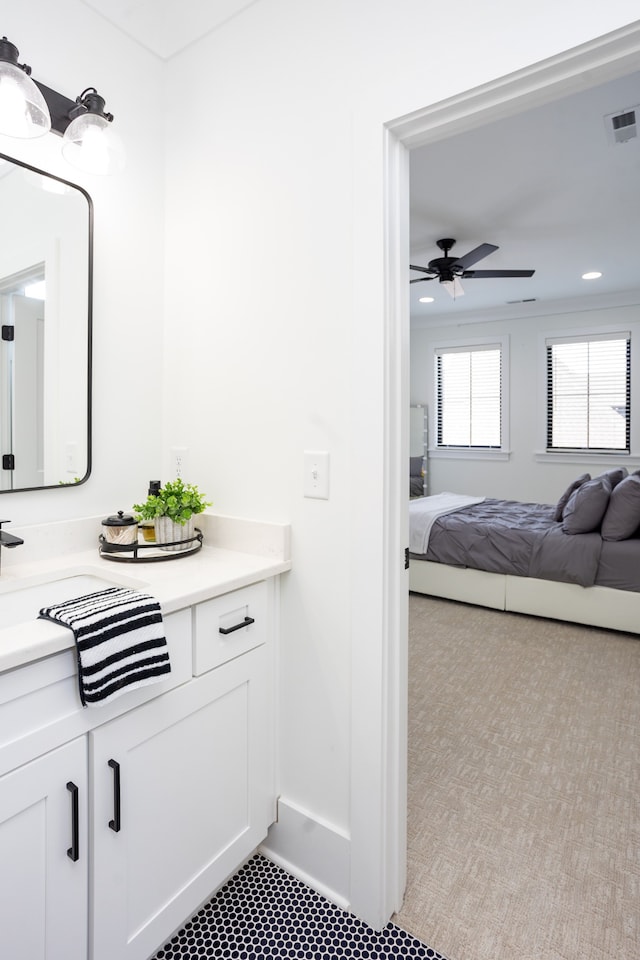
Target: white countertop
[176, 583]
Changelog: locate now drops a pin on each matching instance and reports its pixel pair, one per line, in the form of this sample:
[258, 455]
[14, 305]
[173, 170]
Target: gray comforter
[522, 539]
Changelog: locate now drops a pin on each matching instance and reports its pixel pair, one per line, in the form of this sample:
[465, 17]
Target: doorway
[22, 379]
[588, 65]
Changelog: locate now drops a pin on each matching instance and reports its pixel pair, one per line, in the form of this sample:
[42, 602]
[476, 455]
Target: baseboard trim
[314, 851]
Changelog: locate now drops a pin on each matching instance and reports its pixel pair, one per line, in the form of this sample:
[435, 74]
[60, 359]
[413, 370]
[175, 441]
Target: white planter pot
[170, 532]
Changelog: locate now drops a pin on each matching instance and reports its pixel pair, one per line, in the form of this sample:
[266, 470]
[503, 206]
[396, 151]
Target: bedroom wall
[529, 474]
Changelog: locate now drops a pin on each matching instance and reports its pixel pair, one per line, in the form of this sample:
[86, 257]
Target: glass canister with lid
[121, 529]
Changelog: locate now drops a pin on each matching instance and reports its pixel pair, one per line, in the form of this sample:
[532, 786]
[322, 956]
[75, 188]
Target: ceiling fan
[449, 270]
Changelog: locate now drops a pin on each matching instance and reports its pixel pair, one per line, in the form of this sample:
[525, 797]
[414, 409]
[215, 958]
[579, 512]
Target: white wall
[69, 48]
[529, 474]
[275, 296]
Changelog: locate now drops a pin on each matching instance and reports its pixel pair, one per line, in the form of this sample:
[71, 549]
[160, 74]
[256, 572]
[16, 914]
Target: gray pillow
[622, 518]
[564, 499]
[415, 466]
[614, 476]
[587, 506]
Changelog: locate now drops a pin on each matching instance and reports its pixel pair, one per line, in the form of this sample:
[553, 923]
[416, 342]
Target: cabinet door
[180, 799]
[43, 857]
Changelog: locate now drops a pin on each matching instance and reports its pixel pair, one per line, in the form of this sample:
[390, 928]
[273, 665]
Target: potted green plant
[172, 509]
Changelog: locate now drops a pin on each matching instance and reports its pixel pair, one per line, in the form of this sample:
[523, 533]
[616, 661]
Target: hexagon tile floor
[263, 913]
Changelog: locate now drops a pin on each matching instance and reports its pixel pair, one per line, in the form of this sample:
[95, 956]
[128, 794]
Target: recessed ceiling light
[592, 275]
[426, 299]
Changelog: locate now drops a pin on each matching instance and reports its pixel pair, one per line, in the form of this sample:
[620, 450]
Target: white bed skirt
[596, 606]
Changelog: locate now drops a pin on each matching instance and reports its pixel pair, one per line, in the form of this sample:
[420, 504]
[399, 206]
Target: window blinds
[469, 396]
[588, 393]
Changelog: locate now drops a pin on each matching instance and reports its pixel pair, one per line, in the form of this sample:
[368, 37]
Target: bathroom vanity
[118, 821]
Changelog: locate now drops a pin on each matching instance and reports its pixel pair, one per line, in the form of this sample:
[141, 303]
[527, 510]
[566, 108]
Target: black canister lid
[122, 520]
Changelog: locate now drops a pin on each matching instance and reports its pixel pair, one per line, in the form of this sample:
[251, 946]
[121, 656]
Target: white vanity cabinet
[43, 857]
[175, 787]
[182, 788]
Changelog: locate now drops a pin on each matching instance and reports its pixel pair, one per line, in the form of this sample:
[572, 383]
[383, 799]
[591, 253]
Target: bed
[576, 560]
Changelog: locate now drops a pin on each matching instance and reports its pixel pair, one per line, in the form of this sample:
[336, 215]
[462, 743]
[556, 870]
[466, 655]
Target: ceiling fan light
[453, 287]
[90, 144]
[23, 110]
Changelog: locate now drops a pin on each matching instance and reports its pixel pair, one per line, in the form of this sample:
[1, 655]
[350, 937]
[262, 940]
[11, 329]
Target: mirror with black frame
[45, 312]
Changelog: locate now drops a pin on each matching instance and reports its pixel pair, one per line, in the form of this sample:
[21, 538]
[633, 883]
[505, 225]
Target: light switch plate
[316, 474]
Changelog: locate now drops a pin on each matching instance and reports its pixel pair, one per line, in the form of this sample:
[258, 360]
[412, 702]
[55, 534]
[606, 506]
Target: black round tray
[138, 552]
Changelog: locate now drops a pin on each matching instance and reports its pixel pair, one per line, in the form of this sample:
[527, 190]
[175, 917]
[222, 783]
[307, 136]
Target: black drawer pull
[238, 626]
[115, 823]
[73, 851]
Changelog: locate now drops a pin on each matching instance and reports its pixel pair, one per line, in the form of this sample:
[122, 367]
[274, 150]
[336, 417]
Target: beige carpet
[524, 783]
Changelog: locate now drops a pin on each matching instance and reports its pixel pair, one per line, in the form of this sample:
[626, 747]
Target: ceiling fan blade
[453, 287]
[421, 269]
[478, 253]
[498, 273]
[421, 279]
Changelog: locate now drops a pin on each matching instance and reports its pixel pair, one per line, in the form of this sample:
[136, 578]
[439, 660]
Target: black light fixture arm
[34, 104]
[63, 110]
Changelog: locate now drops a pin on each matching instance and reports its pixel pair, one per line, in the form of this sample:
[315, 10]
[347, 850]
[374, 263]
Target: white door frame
[378, 738]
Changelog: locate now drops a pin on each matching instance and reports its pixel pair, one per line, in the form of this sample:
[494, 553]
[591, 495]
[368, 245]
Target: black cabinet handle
[115, 823]
[73, 851]
[238, 626]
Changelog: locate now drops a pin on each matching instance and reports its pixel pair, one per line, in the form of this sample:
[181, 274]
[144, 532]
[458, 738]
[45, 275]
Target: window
[469, 392]
[588, 393]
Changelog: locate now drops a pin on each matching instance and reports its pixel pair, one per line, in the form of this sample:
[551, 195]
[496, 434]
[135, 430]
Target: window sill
[467, 454]
[629, 460]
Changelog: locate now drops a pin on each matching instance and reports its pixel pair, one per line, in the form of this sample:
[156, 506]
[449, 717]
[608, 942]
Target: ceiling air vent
[622, 126]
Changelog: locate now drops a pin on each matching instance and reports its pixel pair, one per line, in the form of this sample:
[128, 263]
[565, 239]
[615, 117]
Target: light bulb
[23, 111]
[90, 144]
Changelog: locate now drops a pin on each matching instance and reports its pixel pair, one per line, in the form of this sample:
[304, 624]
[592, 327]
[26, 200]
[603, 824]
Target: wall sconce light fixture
[30, 109]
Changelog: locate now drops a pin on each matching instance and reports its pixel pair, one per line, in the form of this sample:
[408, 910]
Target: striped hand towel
[120, 641]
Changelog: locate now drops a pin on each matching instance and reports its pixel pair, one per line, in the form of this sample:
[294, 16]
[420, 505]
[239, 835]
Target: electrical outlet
[179, 465]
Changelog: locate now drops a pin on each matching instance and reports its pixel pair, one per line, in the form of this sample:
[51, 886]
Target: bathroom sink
[20, 602]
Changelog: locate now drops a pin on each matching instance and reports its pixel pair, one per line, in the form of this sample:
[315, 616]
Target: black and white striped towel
[119, 640]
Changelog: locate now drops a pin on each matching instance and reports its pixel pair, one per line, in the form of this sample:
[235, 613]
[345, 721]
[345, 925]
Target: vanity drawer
[40, 705]
[229, 626]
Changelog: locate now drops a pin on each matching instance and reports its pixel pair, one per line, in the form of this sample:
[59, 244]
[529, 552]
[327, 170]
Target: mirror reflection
[45, 312]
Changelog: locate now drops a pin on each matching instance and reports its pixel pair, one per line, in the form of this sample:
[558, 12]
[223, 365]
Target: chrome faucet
[8, 539]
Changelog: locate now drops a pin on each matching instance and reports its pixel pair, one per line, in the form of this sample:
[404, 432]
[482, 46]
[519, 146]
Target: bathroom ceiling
[552, 189]
[167, 26]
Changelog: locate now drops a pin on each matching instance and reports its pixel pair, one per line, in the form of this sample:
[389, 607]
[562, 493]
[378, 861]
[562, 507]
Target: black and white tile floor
[263, 912]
